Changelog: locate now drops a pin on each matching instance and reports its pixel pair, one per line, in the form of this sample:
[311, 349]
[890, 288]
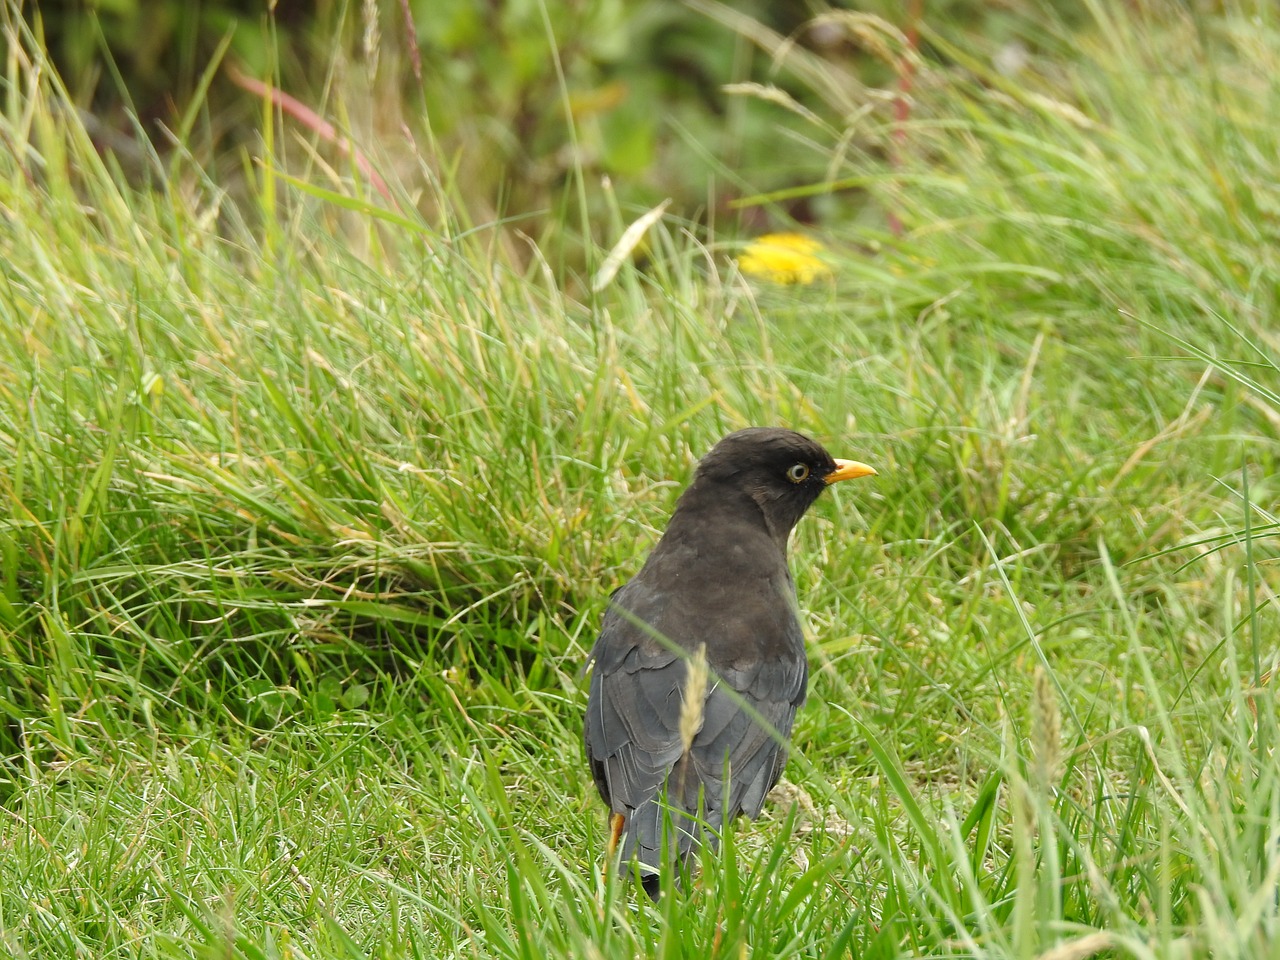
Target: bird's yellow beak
[849, 470]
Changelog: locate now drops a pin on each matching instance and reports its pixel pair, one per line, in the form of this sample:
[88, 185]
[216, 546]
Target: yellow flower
[784, 258]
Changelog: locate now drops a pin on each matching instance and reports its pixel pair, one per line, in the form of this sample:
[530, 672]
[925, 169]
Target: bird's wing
[747, 744]
[633, 711]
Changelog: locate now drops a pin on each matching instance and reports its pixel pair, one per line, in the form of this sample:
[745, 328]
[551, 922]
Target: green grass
[310, 513]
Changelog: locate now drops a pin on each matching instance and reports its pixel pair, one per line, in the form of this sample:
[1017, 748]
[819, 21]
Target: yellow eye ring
[798, 472]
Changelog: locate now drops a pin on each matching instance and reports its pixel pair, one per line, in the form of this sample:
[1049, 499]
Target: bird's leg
[616, 823]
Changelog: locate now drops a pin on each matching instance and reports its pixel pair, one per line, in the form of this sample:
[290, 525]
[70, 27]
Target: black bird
[713, 609]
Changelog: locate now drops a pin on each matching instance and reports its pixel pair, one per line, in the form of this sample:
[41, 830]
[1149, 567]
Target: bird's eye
[798, 472]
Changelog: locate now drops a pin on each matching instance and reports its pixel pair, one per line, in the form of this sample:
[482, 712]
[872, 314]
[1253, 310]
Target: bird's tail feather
[668, 830]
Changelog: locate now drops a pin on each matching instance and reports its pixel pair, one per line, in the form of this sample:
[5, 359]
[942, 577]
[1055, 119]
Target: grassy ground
[309, 514]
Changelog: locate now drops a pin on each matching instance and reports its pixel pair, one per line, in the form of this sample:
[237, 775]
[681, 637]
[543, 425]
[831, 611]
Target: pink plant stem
[316, 123]
[411, 32]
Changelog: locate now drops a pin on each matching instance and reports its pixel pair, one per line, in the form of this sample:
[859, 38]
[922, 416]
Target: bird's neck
[727, 508]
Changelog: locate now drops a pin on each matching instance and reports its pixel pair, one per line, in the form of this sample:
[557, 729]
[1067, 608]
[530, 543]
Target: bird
[708, 624]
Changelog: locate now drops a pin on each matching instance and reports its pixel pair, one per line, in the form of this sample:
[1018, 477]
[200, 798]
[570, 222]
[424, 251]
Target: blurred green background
[705, 103]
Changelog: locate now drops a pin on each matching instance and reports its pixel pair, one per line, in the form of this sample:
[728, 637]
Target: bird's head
[784, 472]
